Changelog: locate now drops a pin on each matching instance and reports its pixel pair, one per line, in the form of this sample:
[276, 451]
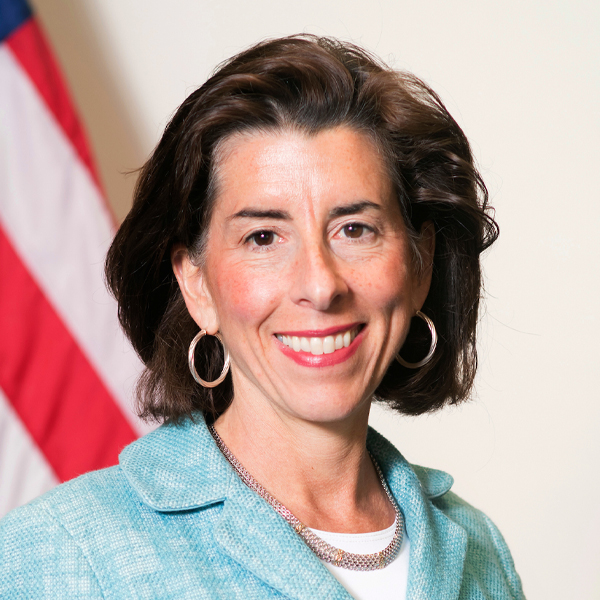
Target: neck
[320, 471]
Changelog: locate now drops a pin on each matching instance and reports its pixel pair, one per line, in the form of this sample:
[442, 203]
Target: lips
[320, 353]
[318, 345]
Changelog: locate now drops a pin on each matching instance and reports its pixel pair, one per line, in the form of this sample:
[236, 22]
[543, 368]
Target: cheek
[244, 296]
[388, 286]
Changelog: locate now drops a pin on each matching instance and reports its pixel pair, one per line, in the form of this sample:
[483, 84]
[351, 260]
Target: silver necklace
[325, 551]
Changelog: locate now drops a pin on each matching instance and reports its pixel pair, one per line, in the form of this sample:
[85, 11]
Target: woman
[304, 240]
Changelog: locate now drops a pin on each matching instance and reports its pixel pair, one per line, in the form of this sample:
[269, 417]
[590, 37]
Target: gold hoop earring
[192, 366]
[432, 346]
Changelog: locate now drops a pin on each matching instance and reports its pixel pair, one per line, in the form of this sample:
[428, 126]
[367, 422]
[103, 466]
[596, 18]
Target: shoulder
[477, 525]
[73, 495]
[39, 553]
[94, 493]
[107, 532]
[453, 544]
[483, 535]
[488, 560]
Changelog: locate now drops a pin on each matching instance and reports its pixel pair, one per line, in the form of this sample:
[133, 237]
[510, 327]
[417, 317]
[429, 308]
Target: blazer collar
[179, 467]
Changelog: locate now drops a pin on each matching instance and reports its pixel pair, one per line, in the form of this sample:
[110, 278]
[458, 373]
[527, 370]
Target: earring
[191, 351]
[432, 347]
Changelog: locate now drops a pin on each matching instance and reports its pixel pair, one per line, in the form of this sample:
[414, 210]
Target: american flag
[66, 370]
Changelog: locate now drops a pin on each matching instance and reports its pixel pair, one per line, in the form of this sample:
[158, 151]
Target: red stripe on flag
[49, 381]
[30, 48]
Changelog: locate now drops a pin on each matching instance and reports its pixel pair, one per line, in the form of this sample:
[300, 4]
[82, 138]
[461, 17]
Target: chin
[328, 410]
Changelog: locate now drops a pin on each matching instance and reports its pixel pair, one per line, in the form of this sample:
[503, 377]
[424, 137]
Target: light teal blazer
[173, 520]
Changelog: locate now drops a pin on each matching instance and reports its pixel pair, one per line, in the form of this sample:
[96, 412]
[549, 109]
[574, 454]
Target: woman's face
[307, 272]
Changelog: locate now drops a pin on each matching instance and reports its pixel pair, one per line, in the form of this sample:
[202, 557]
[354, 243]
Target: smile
[317, 345]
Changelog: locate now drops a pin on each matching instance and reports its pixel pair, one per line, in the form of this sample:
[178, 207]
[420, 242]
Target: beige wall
[522, 78]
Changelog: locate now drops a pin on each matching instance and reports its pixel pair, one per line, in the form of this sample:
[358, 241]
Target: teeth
[347, 339]
[316, 346]
[328, 345]
[319, 345]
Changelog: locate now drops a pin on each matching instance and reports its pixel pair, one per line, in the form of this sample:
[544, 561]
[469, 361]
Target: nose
[318, 281]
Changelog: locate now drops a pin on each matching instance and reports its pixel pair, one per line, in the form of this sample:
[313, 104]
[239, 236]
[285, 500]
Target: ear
[194, 290]
[424, 271]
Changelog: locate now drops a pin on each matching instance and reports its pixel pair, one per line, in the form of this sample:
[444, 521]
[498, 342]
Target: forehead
[265, 165]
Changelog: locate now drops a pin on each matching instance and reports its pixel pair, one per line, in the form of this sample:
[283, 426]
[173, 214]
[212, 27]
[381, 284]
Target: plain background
[523, 80]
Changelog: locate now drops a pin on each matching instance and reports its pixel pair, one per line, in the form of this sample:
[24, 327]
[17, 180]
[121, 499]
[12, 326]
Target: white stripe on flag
[18, 455]
[44, 188]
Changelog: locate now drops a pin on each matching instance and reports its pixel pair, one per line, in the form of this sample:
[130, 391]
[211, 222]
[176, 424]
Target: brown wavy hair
[309, 84]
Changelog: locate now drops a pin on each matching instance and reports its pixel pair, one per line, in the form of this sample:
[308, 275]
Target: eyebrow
[253, 213]
[353, 209]
[282, 215]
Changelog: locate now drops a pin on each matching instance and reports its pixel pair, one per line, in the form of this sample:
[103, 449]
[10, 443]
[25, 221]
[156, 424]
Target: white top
[381, 584]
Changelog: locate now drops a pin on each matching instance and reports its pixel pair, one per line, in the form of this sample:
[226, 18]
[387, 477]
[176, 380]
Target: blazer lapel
[437, 554]
[257, 538]
[437, 544]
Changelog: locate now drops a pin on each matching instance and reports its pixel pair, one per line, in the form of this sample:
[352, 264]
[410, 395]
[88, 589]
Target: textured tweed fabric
[174, 521]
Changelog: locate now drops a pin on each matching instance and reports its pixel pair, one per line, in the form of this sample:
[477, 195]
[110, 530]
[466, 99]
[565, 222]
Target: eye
[262, 238]
[354, 230]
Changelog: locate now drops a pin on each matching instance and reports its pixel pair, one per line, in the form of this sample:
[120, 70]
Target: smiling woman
[304, 241]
